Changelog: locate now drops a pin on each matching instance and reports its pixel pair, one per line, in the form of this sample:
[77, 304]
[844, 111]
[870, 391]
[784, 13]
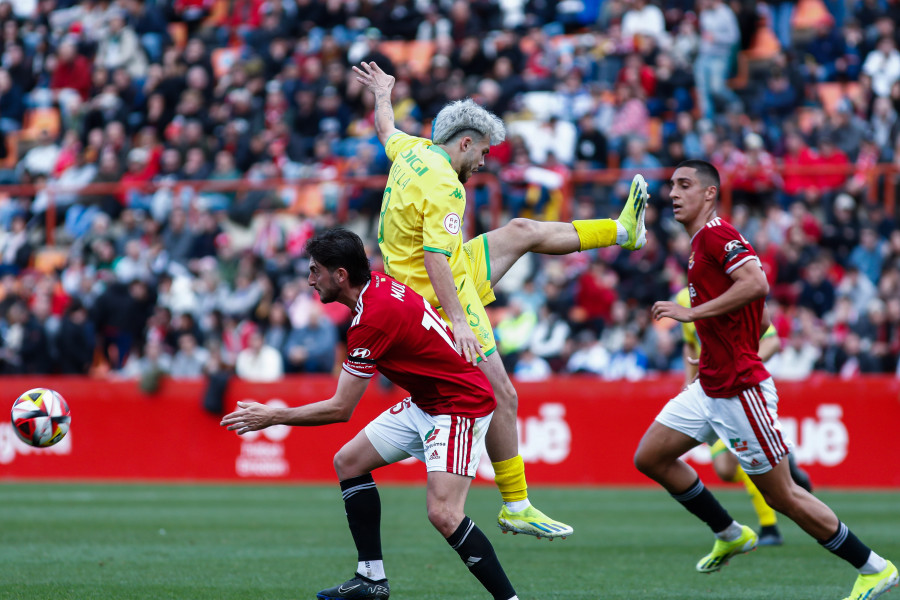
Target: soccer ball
[40, 417]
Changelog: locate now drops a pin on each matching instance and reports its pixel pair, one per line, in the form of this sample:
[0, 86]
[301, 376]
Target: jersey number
[385, 200]
[431, 320]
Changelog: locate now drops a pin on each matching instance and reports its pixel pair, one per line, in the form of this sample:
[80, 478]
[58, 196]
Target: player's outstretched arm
[380, 84]
[252, 416]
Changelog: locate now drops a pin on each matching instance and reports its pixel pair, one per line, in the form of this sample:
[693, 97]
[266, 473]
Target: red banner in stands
[579, 431]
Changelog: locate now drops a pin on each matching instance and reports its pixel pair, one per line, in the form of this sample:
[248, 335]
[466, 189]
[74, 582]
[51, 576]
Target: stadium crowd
[155, 276]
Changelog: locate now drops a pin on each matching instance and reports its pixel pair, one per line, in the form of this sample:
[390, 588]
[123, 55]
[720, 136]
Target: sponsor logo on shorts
[738, 444]
[432, 435]
[754, 463]
[435, 455]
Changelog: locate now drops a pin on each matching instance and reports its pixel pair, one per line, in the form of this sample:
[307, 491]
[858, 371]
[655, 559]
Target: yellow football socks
[510, 478]
[763, 511]
[596, 233]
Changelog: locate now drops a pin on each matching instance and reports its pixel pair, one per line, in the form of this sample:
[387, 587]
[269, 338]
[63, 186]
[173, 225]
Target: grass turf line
[124, 542]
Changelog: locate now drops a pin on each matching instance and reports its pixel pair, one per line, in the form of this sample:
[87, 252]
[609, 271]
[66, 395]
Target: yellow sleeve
[770, 332]
[400, 142]
[444, 206]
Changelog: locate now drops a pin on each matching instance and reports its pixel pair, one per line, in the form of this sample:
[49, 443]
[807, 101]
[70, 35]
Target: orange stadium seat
[417, 54]
[811, 14]
[40, 119]
[50, 259]
[179, 34]
[223, 59]
[831, 94]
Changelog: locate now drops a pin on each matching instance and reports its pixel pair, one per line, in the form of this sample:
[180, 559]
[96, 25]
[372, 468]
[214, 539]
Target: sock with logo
[476, 551]
[847, 546]
[598, 233]
[765, 512]
[509, 475]
[700, 502]
[363, 507]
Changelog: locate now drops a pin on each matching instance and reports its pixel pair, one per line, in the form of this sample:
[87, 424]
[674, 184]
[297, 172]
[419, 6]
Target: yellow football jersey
[421, 211]
[689, 330]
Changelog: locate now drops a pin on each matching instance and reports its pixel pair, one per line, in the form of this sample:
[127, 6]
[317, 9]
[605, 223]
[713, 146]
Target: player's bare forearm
[253, 416]
[380, 84]
[438, 268]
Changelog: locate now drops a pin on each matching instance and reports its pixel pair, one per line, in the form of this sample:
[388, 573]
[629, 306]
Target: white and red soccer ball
[40, 417]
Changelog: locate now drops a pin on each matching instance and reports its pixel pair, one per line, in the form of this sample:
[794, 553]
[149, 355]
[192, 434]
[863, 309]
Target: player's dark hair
[706, 173]
[337, 248]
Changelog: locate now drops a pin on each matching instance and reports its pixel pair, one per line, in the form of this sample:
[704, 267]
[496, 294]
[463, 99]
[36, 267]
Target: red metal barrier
[573, 432]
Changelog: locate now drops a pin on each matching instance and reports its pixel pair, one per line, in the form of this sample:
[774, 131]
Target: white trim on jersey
[359, 304]
[742, 261]
[356, 373]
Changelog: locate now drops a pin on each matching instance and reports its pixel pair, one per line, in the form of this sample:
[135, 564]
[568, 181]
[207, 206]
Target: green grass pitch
[121, 542]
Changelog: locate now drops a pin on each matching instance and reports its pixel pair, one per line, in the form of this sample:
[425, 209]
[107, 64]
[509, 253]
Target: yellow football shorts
[475, 292]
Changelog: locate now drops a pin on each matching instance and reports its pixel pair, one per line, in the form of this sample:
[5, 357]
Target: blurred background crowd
[115, 260]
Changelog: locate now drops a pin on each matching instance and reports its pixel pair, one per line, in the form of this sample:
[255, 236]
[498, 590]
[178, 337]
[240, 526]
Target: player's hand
[374, 78]
[467, 344]
[249, 416]
[673, 310]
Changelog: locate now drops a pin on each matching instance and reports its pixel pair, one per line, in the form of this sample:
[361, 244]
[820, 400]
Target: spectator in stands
[531, 367]
[72, 70]
[719, 40]
[548, 340]
[15, 249]
[868, 256]
[796, 360]
[817, 291]
[589, 356]
[883, 65]
[840, 234]
[189, 361]
[629, 362]
[643, 18]
[311, 348]
[75, 341]
[755, 179]
[259, 362]
[12, 103]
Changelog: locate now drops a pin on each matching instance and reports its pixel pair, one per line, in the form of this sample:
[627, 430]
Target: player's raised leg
[659, 457]
[876, 574]
[502, 443]
[354, 464]
[509, 243]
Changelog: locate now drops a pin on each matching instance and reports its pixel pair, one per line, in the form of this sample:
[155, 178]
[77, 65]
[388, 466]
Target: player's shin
[509, 475]
[847, 546]
[477, 552]
[363, 506]
[700, 502]
[598, 233]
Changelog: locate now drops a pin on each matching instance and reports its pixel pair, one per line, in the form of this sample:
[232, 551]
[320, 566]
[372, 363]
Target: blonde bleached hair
[466, 115]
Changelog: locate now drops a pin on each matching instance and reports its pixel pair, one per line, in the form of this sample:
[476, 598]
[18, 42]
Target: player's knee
[507, 397]
[644, 463]
[444, 518]
[523, 229]
[724, 469]
[343, 465]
